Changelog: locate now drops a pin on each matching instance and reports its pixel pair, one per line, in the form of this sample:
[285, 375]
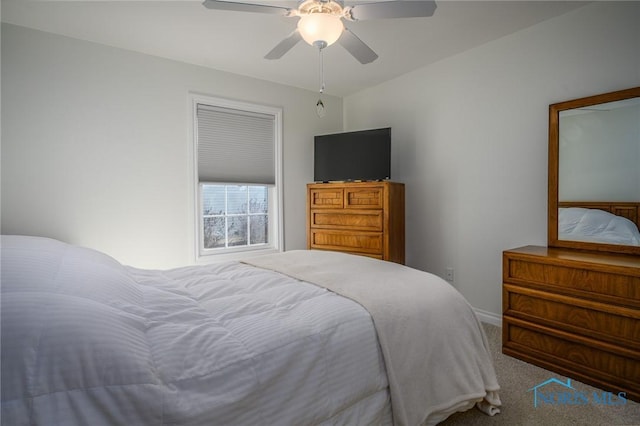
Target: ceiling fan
[321, 25]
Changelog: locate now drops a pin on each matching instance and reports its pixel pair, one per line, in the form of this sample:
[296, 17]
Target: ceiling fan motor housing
[332, 7]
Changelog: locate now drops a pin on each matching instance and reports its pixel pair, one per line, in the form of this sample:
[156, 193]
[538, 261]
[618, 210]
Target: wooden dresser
[365, 218]
[576, 313]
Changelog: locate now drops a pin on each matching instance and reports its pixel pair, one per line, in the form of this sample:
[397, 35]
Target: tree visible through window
[235, 215]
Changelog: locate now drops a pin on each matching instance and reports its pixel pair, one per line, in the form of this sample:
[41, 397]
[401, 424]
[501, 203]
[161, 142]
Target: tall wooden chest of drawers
[576, 313]
[365, 218]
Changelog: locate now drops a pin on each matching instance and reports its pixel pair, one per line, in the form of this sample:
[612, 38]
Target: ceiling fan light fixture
[320, 28]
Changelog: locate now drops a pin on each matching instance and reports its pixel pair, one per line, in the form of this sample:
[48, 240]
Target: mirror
[594, 173]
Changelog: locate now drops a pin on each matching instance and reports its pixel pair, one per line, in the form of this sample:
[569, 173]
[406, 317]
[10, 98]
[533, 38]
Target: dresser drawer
[359, 220]
[583, 281]
[610, 323]
[326, 198]
[607, 366]
[359, 242]
[364, 198]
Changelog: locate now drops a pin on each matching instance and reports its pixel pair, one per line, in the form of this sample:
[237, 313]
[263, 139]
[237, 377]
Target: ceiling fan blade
[284, 46]
[357, 47]
[245, 7]
[392, 9]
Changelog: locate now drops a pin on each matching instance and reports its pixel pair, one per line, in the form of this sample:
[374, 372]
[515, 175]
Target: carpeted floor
[517, 377]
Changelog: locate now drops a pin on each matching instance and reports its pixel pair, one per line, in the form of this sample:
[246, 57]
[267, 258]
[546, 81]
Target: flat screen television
[353, 156]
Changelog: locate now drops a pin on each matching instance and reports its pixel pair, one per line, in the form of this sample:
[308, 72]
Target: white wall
[469, 137]
[95, 146]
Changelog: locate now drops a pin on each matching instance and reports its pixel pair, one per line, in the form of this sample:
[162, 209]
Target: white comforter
[86, 341]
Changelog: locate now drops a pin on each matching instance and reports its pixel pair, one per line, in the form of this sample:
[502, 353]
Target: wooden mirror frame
[552, 222]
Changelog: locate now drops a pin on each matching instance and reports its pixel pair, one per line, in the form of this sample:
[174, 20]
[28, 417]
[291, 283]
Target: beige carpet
[517, 377]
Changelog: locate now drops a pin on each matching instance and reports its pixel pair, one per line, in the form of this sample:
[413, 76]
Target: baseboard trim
[489, 317]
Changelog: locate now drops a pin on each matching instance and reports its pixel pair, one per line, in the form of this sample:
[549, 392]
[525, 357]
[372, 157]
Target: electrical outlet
[449, 274]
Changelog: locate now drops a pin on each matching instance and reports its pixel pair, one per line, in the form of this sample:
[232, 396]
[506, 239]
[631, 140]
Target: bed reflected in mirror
[594, 172]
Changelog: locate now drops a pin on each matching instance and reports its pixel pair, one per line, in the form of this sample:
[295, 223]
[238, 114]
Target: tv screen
[362, 155]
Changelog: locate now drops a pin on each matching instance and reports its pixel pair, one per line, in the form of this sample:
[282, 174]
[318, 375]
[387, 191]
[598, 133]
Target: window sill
[229, 256]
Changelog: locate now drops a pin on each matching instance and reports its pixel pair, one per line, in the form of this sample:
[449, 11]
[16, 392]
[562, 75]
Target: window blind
[235, 146]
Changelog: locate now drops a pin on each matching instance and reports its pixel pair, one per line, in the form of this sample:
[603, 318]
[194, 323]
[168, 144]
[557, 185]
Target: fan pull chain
[321, 54]
[320, 105]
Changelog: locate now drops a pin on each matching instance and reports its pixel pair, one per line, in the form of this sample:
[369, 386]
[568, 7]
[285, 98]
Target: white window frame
[276, 224]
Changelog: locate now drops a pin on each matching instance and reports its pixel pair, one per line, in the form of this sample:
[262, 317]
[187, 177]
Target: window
[237, 161]
[235, 215]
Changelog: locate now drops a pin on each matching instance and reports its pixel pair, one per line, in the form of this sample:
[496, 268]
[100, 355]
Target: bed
[601, 222]
[290, 338]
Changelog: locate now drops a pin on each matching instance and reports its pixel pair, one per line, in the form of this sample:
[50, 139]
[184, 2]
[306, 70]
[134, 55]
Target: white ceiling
[186, 31]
